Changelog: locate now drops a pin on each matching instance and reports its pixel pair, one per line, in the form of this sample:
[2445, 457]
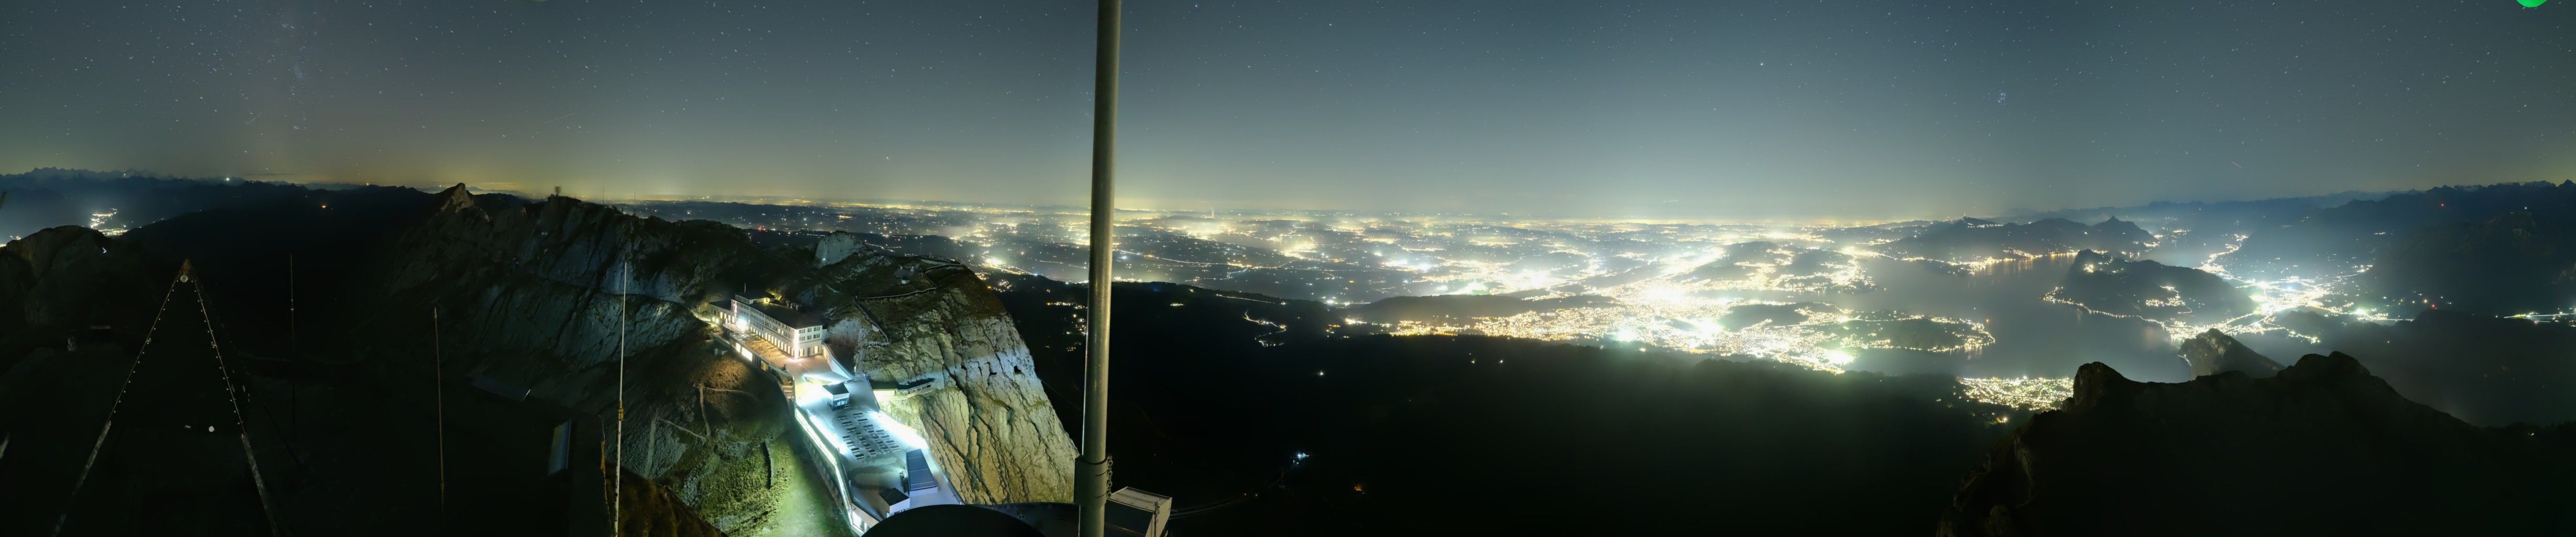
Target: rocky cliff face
[917, 321]
[544, 284]
[54, 277]
[535, 288]
[52, 285]
[2322, 448]
[333, 342]
[2212, 352]
[836, 247]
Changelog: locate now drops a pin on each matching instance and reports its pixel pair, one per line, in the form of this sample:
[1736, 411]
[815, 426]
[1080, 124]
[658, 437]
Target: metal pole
[617, 501]
[438, 389]
[294, 397]
[1091, 472]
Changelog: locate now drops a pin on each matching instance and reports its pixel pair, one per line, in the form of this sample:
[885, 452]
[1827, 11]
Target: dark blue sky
[1670, 109]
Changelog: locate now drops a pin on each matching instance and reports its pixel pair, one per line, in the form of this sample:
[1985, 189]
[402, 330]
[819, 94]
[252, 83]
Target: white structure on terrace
[879, 464]
[789, 330]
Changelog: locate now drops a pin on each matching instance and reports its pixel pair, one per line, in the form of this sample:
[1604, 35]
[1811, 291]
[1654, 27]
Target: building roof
[792, 317]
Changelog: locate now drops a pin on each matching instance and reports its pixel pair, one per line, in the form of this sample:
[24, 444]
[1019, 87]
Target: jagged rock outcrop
[540, 283]
[2212, 352]
[529, 304]
[63, 283]
[2113, 232]
[836, 247]
[933, 325]
[46, 279]
[2322, 448]
[54, 286]
[535, 287]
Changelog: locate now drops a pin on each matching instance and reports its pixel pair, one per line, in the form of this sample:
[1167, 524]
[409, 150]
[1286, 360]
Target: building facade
[797, 334]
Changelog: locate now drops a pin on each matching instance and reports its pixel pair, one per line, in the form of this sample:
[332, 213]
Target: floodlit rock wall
[909, 319]
[540, 281]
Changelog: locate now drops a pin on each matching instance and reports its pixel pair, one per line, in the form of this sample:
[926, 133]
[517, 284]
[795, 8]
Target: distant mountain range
[1971, 239]
[2149, 289]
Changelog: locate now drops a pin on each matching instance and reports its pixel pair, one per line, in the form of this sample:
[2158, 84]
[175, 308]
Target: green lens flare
[2531, 3]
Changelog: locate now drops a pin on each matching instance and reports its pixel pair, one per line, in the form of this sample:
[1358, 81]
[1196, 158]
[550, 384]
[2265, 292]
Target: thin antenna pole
[1091, 472]
[438, 383]
[293, 396]
[617, 511]
[290, 304]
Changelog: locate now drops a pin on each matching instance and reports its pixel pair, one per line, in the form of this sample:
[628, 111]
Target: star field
[1733, 110]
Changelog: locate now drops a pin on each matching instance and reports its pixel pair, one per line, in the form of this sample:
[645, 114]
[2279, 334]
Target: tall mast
[617, 509]
[1091, 472]
[438, 387]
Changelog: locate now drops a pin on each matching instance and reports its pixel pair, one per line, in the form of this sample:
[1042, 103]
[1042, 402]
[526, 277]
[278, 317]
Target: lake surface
[2033, 337]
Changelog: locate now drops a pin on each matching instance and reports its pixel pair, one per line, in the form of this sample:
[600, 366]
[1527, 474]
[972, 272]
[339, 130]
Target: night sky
[1674, 109]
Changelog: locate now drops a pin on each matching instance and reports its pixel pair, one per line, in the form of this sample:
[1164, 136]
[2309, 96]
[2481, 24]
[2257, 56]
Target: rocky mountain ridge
[2212, 352]
[545, 276]
[1973, 239]
[2322, 448]
[518, 304]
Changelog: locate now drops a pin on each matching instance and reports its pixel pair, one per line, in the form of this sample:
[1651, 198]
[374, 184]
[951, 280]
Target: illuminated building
[877, 465]
[799, 334]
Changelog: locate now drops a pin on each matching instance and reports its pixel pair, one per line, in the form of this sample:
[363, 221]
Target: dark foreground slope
[1473, 435]
[2322, 448]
